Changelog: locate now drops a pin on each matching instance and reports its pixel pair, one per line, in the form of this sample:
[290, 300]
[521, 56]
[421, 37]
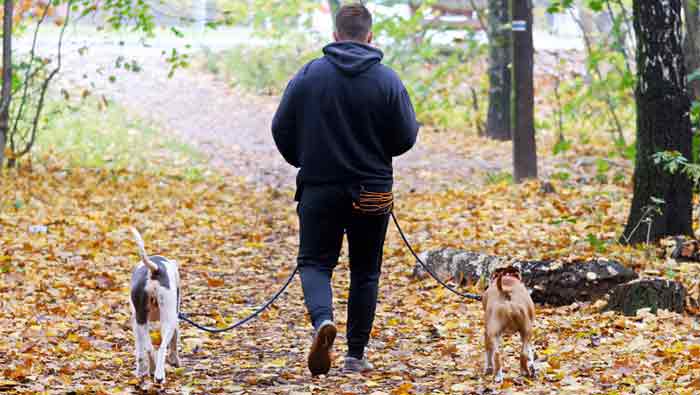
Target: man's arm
[284, 128]
[404, 128]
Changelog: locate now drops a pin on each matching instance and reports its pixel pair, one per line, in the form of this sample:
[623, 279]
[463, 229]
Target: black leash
[248, 318]
[279, 293]
[428, 269]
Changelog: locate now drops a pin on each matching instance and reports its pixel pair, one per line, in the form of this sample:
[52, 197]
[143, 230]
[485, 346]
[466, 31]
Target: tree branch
[47, 81]
[27, 79]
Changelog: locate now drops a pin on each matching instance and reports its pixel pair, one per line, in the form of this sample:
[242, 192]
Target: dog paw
[151, 364]
[532, 371]
[174, 361]
[498, 379]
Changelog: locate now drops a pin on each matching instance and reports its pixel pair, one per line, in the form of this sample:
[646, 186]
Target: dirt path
[232, 128]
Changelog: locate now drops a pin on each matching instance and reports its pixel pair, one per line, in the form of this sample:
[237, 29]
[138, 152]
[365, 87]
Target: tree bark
[555, 283]
[691, 45]
[5, 94]
[652, 293]
[524, 147]
[663, 124]
[498, 121]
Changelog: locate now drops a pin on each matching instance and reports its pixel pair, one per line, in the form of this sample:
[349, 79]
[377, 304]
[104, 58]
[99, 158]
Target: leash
[369, 203]
[382, 203]
[256, 313]
[427, 268]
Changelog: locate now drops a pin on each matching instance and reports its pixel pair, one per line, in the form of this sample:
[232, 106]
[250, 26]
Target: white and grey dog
[155, 296]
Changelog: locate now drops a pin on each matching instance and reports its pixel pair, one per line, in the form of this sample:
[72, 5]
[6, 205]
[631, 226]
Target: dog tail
[505, 288]
[142, 251]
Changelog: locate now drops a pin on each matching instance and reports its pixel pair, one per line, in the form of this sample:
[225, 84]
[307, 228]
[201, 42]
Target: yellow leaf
[276, 363]
[403, 389]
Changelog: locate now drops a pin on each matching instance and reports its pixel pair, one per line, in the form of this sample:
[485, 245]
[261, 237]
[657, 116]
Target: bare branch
[45, 85]
[599, 74]
[480, 16]
[27, 80]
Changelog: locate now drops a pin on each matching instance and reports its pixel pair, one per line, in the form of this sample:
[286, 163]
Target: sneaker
[320, 353]
[354, 365]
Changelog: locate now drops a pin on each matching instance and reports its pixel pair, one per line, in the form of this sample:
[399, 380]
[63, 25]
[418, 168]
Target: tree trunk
[5, 94]
[498, 122]
[524, 148]
[663, 124]
[334, 6]
[555, 283]
[651, 293]
[692, 43]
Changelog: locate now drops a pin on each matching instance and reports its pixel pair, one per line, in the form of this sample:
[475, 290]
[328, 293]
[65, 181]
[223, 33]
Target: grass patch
[93, 135]
[259, 69]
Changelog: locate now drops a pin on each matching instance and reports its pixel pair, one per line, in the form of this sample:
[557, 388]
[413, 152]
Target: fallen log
[653, 293]
[682, 248]
[555, 283]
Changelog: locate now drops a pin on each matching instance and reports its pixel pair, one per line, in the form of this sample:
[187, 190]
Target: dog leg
[166, 333]
[527, 363]
[141, 335]
[168, 325]
[173, 358]
[498, 367]
[488, 355]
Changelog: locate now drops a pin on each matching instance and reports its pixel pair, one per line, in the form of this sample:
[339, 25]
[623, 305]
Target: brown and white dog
[155, 296]
[508, 308]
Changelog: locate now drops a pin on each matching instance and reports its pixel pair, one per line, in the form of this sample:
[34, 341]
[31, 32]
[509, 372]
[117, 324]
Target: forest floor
[65, 315]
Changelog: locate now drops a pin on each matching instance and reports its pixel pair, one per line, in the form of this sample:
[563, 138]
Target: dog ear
[495, 275]
[499, 283]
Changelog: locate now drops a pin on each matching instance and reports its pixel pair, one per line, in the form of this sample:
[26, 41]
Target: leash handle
[428, 269]
[242, 322]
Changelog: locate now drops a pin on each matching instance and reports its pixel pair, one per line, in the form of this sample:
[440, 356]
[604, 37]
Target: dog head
[507, 271]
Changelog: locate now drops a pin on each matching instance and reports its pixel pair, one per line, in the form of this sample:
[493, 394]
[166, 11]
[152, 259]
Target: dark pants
[325, 214]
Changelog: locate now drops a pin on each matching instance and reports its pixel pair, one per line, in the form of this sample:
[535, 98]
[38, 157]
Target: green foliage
[674, 162]
[597, 244]
[439, 79]
[501, 177]
[270, 18]
[561, 146]
[89, 133]
[261, 69]
[442, 81]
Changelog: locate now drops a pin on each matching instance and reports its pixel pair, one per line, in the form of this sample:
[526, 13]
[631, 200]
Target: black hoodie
[343, 117]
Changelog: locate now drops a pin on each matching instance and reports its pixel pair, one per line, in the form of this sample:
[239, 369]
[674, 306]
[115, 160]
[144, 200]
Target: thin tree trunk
[524, 147]
[6, 92]
[692, 42]
[663, 124]
[334, 6]
[498, 121]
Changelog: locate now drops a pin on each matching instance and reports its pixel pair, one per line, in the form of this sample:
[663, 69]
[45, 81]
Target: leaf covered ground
[64, 315]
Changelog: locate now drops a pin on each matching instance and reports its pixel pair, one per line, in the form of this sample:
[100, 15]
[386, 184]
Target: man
[341, 120]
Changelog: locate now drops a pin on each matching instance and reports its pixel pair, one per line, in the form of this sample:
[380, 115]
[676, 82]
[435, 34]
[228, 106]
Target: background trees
[662, 202]
[455, 56]
[498, 123]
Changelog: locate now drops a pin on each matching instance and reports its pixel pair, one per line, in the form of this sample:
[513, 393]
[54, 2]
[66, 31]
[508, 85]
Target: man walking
[342, 119]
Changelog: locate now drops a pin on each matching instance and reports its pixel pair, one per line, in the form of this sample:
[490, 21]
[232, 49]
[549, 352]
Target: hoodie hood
[352, 58]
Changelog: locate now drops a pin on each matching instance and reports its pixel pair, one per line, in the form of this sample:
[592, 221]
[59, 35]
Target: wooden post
[524, 147]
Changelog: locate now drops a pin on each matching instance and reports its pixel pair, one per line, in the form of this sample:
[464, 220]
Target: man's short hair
[353, 22]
